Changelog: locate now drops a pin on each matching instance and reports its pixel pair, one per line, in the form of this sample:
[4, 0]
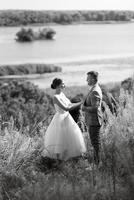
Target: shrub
[28, 35]
[27, 104]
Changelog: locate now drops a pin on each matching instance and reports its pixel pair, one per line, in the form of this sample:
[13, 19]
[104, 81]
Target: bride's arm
[62, 105]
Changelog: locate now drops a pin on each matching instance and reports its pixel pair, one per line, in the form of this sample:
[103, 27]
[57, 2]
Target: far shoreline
[106, 22]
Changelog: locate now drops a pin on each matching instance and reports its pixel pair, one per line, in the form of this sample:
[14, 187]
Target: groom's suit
[93, 113]
[93, 117]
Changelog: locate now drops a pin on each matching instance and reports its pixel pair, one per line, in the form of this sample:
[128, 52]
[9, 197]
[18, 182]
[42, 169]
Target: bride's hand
[81, 104]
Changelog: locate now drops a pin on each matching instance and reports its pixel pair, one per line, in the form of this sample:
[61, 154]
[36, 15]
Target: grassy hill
[25, 174]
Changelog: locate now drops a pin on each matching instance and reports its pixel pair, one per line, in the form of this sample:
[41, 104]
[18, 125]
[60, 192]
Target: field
[25, 174]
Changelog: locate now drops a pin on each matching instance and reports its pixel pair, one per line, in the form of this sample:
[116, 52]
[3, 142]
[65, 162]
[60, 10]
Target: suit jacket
[93, 113]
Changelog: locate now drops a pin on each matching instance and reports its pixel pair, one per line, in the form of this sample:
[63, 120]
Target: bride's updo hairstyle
[56, 82]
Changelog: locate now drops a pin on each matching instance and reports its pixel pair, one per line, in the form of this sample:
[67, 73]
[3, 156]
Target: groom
[93, 115]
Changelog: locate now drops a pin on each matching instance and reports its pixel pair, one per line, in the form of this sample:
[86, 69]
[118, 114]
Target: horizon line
[27, 9]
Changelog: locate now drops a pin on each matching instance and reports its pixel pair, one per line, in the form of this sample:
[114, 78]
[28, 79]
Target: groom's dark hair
[94, 74]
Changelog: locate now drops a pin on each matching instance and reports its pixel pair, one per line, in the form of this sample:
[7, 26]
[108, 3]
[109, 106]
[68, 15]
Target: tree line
[26, 17]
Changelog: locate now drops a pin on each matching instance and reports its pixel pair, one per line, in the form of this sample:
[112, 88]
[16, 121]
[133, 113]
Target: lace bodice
[64, 100]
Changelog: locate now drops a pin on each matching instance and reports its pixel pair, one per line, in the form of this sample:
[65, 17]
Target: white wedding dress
[63, 136]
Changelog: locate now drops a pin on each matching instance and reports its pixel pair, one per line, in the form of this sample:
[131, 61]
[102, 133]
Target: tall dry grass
[23, 175]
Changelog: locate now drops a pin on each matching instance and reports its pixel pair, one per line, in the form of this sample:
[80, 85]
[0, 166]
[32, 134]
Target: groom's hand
[83, 108]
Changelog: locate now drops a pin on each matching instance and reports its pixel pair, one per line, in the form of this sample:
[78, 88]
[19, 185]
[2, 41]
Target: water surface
[73, 43]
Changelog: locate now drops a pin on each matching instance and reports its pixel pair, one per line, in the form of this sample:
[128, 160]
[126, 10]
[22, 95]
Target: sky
[68, 4]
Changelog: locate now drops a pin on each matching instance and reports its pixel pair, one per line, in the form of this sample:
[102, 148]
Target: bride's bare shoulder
[56, 98]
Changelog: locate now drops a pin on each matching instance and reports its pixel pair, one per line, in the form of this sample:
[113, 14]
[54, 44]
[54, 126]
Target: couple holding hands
[63, 138]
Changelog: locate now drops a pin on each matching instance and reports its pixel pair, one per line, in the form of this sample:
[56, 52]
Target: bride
[63, 138]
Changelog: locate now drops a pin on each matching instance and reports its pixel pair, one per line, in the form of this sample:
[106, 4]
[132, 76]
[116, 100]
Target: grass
[25, 174]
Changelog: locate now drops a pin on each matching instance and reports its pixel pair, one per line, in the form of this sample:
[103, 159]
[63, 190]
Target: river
[73, 48]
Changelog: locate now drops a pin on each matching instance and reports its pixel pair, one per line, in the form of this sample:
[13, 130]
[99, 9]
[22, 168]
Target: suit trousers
[94, 133]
